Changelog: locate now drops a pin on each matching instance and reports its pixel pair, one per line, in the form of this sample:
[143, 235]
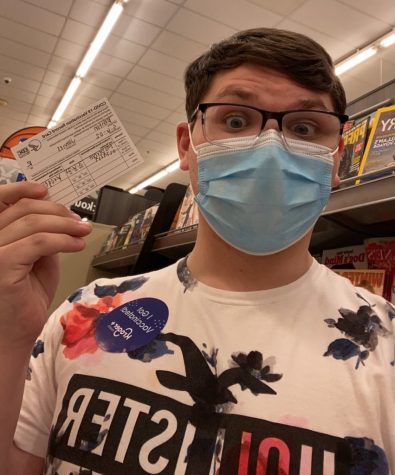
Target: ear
[183, 144]
[336, 163]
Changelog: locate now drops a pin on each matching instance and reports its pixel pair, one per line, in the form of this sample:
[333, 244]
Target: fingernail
[75, 216]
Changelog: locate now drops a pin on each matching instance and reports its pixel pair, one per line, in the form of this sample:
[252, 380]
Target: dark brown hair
[300, 58]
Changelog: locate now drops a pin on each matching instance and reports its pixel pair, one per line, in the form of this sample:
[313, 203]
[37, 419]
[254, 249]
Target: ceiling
[140, 68]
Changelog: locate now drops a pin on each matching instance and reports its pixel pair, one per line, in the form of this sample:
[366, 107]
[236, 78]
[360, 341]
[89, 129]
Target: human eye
[235, 121]
[303, 129]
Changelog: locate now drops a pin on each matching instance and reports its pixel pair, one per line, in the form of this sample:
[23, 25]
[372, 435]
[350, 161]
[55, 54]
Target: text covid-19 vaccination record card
[79, 155]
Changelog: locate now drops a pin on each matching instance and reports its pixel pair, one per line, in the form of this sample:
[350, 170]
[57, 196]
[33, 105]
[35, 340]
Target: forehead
[265, 88]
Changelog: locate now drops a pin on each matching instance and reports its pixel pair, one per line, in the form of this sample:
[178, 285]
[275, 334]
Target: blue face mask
[261, 198]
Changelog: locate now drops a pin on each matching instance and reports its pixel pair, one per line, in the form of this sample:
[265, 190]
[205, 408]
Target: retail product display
[371, 279]
[188, 215]
[350, 257]
[380, 149]
[354, 146]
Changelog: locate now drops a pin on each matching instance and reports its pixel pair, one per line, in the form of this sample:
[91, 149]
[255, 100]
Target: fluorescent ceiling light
[100, 38]
[73, 86]
[173, 167]
[354, 60]
[152, 179]
[94, 48]
[388, 40]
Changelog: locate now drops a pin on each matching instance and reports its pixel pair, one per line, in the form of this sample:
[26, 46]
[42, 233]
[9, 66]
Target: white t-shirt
[297, 379]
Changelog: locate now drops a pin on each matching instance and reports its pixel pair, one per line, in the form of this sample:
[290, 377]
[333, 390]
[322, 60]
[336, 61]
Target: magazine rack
[138, 258]
[355, 212]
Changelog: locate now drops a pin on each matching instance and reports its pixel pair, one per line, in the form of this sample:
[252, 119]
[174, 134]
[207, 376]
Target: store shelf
[374, 192]
[118, 258]
[353, 213]
[175, 244]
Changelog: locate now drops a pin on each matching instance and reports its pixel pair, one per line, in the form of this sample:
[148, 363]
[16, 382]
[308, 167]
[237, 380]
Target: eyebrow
[246, 95]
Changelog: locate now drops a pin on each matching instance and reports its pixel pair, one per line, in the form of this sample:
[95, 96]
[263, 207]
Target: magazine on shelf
[109, 241]
[140, 224]
[380, 149]
[354, 146]
[371, 279]
[349, 257]
[380, 254]
[188, 215]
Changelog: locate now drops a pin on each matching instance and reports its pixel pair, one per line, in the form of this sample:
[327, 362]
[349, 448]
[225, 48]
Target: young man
[246, 357]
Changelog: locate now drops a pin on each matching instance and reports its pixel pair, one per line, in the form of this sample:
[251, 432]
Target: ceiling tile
[163, 63]
[30, 15]
[354, 87]
[94, 92]
[339, 21]
[175, 118]
[56, 80]
[123, 49]
[238, 14]
[285, 7]
[15, 66]
[51, 92]
[157, 12]
[149, 95]
[78, 32]
[139, 106]
[198, 28]
[177, 46]
[24, 53]
[62, 8]
[134, 130]
[106, 63]
[136, 30]
[166, 128]
[69, 50]
[157, 81]
[38, 120]
[163, 139]
[63, 66]
[19, 82]
[88, 12]
[134, 117]
[27, 36]
[11, 93]
[7, 113]
[383, 10]
[335, 48]
[102, 79]
[153, 146]
[45, 103]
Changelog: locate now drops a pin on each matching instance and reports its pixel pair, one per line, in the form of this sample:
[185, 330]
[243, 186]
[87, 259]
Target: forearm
[13, 368]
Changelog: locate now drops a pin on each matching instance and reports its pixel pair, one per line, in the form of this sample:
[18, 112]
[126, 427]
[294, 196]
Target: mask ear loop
[190, 137]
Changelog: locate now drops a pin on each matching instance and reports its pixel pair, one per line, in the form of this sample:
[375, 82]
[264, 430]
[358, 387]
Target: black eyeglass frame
[266, 115]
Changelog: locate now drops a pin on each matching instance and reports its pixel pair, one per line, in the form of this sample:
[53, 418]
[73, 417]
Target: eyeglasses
[225, 120]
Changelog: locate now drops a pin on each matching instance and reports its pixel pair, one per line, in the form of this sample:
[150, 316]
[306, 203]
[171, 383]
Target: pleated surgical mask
[261, 198]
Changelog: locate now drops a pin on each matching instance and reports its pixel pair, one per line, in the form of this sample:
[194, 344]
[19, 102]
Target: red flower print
[79, 325]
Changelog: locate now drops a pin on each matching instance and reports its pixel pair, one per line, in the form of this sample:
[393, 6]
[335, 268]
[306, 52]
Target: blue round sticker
[131, 325]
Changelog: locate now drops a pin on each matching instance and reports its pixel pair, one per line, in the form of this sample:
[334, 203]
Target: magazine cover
[370, 279]
[350, 257]
[380, 254]
[121, 236]
[354, 146]
[188, 215]
[147, 220]
[134, 234]
[380, 149]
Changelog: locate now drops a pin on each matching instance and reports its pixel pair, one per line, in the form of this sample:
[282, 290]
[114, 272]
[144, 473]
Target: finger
[24, 253]
[35, 224]
[10, 193]
[26, 206]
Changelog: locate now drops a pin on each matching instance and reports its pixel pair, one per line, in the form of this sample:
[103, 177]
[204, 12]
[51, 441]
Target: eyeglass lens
[232, 121]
